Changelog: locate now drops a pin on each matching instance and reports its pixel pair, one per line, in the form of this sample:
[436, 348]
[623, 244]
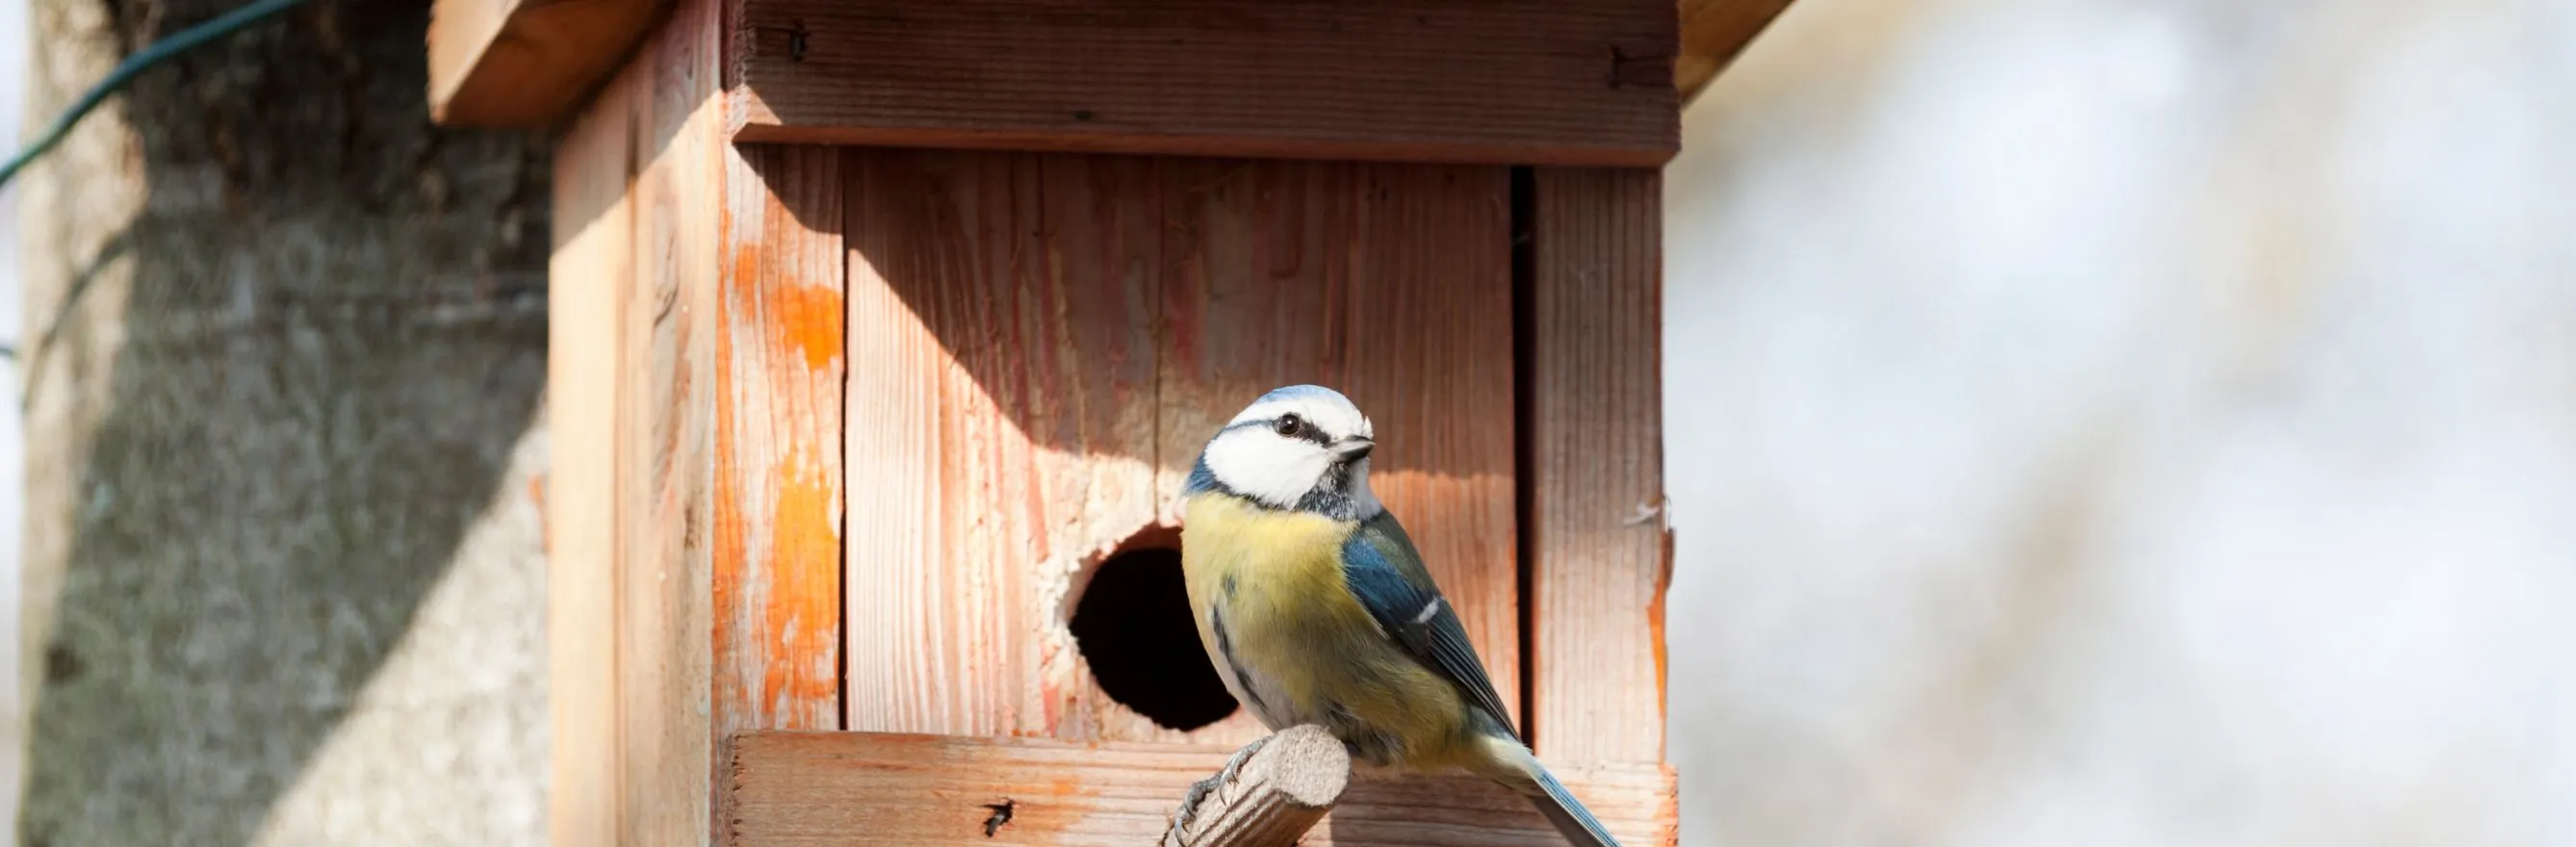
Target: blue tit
[1316, 609]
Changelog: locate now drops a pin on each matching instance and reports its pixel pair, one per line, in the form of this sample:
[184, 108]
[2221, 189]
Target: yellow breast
[1294, 625]
[1293, 554]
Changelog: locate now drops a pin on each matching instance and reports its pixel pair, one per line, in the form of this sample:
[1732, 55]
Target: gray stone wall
[285, 356]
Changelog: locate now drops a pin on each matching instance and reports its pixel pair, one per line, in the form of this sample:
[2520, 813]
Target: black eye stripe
[1305, 431]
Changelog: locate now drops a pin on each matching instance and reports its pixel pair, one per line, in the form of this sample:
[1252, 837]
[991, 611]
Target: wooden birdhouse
[885, 332]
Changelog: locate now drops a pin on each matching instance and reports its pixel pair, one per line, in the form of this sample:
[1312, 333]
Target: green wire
[135, 65]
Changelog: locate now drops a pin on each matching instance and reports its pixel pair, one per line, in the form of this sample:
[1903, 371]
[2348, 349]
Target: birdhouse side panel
[589, 276]
[640, 196]
[1600, 556]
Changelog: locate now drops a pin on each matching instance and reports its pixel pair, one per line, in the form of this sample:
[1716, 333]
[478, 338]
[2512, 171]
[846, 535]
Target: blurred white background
[2098, 422]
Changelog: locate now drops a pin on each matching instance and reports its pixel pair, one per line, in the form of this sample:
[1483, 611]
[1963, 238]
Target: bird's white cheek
[1267, 469]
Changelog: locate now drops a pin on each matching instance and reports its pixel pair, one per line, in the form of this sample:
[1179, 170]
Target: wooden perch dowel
[1280, 790]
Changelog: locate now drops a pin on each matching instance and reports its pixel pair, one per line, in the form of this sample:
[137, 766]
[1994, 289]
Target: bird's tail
[1524, 774]
[1568, 814]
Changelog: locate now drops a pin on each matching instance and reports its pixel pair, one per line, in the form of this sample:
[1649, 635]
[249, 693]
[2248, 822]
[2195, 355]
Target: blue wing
[1386, 573]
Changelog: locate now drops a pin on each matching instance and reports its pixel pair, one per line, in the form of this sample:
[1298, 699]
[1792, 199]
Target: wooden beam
[589, 273]
[526, 63]
[1713, 32]
[666, 484]
[790, 789]
[1496, 82]
[779, 371]
[1599, 554]
[647, 164]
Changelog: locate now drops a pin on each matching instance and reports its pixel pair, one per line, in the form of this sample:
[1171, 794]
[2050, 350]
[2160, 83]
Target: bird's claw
[1199, 790]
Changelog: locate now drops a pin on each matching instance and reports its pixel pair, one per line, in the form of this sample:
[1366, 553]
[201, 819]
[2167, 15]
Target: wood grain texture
[1281, 790]
[1004, 427]
[1713, 32]
[1599, 559]
[590, 272]
[1053, 336]
[788, 789]
[1391, 283]
[777, 567]
[660, 116]
[526, 63]
[1502, 81]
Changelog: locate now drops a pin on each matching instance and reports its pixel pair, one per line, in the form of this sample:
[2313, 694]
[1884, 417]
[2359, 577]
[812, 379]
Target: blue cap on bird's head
[1289, 392]
[1300, 447]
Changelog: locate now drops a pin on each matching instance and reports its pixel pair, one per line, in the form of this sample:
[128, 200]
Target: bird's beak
[1352, 449]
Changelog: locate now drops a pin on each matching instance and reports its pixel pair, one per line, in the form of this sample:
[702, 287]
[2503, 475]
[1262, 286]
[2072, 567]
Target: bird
[1315, 608]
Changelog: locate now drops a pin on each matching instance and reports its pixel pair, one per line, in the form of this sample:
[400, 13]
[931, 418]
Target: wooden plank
[590, 271]
[1103, 225]
[1431, 364]
[1052, 336]
[779, 350]
[664, 110]
[785, 789]
[526, 63]
[1500, 81]
[1713, 32]
[1004, 425]
[1600, 554]
[1392, 284]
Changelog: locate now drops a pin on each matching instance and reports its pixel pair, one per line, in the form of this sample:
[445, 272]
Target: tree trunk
[284, 352]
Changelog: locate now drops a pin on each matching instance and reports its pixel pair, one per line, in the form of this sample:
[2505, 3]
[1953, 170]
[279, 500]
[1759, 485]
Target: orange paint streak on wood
[1598, 558]
[790, 789]
[812, 318]
[1657, 615]
[779, 374]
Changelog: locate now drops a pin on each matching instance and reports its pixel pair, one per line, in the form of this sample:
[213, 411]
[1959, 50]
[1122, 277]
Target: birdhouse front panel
[886, 331]
[1041, 343]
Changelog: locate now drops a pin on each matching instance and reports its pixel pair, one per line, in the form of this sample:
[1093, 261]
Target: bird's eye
[1289, 423]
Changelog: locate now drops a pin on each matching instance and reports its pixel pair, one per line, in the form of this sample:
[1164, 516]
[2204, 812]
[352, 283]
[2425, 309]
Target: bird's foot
[1199, 790]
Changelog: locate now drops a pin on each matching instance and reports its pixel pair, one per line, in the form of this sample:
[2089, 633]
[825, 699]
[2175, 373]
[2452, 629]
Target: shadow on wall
[334, 340]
